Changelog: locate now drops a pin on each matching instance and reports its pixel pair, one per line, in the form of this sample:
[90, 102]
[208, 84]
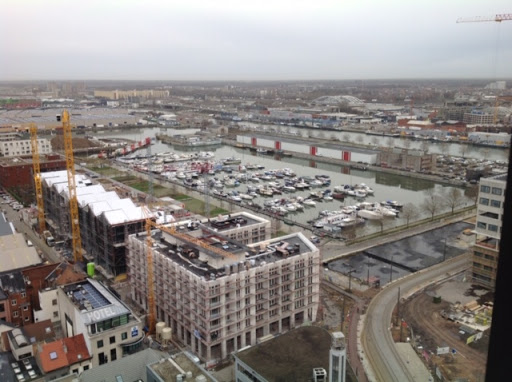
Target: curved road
[382, 356]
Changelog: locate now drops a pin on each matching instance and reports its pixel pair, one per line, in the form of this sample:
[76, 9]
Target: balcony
[489, 243]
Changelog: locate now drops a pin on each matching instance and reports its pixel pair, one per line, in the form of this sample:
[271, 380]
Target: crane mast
[73, 202]
[36, 164]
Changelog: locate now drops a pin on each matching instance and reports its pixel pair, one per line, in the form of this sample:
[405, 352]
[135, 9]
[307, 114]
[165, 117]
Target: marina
[298, 190]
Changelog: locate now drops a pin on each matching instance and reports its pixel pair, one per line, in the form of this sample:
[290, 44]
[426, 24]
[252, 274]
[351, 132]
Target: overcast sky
[252, 40]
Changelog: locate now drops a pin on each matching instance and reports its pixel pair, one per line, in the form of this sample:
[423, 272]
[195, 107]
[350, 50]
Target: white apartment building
[489, 221]
[243, 227]
[24, 147]
[219, 295]
[110, 329]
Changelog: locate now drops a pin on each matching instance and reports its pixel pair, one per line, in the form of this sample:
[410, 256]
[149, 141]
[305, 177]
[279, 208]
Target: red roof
[62, 353]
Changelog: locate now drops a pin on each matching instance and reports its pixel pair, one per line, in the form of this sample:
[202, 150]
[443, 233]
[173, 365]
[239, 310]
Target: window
[56, 314]
[2, 308]
[124, 336]
[27, 318]
[25, 308]
[23, 295]
[113, 354]
[485, 189]
[54, 302]
[481, 225]
[493, 228]
[13, 302]
[86, 367]
[15, 314]
[484, 201]
[497, 191]
[112, 340]
[100, 344]
[495, 203]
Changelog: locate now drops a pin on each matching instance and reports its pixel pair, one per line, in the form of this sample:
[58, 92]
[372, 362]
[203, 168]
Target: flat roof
[94, 301]
[210, 264]
[15, 253]
[227, 222]
[291, 356]
[6, 227]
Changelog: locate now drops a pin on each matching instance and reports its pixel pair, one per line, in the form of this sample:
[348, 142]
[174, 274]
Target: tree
[359, 139]
[346, 137]
[390, 142]
[432, 202]
[375, 141]
[407, 143]
[453, 198]
[472, 193]
[409, 211]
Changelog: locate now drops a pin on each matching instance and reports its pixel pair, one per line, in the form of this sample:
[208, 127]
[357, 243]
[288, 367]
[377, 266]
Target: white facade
[491, 199]
[337, 358]
[49, 306]
[24, 147]
[108, 326]
[217, 305]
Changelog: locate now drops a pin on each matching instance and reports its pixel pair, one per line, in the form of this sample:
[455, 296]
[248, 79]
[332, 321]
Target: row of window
[491, 202]
[112, 340]
[489, 227]
[492, 190]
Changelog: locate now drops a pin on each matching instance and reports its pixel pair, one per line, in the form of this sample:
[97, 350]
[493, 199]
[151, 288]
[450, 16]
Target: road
[381, 358]
[48, 253]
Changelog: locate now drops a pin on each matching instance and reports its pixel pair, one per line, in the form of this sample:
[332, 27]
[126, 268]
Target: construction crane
[73, 201]
[36, 163]
[476, 19]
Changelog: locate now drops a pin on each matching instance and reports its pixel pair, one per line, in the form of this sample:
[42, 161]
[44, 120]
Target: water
[403, 189]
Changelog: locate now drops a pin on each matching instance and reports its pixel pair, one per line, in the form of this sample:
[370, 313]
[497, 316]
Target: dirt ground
[428, 330]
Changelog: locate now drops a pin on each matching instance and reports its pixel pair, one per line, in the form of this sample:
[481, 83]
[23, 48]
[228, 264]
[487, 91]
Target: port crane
[70, 168]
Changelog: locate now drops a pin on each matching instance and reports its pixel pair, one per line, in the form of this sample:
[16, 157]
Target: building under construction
[105, 219]
[219, 295]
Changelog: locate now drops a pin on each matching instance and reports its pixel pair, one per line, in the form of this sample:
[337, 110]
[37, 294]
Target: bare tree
[409, 211]
[375, 141]
[453, 198]
[321, 135]
[407, 143]
[432, 203]
[390, 142]
[333, 137]
[472, 193]
[346, 137]
[359, 139]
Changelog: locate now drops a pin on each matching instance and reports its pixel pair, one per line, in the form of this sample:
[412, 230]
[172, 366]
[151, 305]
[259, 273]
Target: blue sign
[135, 331]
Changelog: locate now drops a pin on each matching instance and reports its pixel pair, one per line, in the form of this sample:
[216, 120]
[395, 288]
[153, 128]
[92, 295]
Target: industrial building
[16, 174]
[406, 159]
[219, 295]
[489, 220]
[105, 219]
[307, 147]
[109, 327]
[301, 355]
[18, 147]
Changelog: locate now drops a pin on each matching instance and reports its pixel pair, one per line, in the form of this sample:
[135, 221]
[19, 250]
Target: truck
[48, 238]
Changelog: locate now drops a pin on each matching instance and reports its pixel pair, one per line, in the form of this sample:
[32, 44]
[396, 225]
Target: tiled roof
[39, 331]
[63, 353]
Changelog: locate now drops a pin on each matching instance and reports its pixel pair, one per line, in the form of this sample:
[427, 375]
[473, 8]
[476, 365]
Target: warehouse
[309, 147]
[219, 296]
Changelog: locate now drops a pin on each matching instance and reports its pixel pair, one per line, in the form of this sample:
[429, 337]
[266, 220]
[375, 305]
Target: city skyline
[266, 41]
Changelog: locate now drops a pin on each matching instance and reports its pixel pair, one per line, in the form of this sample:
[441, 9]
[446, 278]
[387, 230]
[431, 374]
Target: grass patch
[279, 234]
[180, 197]
[218, 211]
[126, 179]
[106, 170]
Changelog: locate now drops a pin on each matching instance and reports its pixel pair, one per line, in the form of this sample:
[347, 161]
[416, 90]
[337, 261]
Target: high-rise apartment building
[489, 221]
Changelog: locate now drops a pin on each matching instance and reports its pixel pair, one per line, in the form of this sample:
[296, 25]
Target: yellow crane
[36, 164]
[73, 201]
